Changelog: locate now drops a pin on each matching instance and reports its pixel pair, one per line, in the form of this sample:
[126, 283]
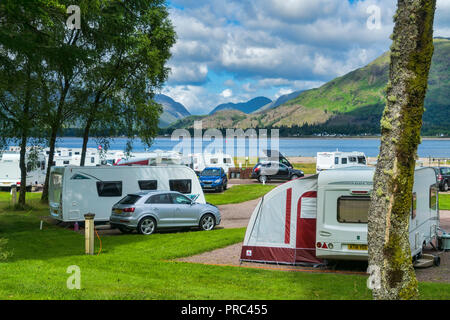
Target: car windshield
[211, 172]
[130, 199]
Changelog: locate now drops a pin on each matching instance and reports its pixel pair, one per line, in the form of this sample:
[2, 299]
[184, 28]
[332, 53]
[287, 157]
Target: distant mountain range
[245, 107]
[349, 104]
[172, 110]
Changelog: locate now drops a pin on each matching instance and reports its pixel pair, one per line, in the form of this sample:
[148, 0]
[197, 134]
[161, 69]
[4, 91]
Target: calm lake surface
[288, 146]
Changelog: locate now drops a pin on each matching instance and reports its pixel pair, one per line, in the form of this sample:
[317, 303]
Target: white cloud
[227, 93]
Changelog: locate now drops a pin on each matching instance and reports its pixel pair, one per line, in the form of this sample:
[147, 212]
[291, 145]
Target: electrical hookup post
[89, 233]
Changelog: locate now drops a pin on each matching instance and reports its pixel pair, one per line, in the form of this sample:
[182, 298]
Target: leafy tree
[23, 48]
[132, 44]
[388, 226]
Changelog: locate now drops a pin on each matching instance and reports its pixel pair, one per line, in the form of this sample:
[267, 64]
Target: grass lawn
[239, 194]
[307, 168]
[139, 267]
[444, 201]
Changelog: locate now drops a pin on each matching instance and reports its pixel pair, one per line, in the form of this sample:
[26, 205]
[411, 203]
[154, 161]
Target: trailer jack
[426, 261]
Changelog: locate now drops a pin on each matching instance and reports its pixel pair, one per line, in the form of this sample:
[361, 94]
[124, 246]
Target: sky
[235, 50]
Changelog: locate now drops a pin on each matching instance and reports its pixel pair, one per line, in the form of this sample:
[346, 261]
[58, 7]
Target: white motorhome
[10, 170]
[75, 191]
[337, 159]
[155, 158]
[324, 217]
[200, 161]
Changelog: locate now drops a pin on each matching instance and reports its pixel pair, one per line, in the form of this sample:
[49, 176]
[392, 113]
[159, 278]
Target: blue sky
[235, 50]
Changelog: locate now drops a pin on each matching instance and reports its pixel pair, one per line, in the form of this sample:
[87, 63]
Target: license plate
[362, 247]
[118, 211]
[6, 183]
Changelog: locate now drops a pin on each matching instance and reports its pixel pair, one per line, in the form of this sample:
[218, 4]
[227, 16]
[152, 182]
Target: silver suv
[147, 211]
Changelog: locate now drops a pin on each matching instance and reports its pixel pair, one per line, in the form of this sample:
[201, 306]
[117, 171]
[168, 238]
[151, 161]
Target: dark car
[443, 177]
[274, 156]
[213, 179]
[271, 170]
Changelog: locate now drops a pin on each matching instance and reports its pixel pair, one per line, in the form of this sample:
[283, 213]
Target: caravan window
[92, 160]
[227, 160]
[214, 161]
[433, 197]
[344, 161]
[182, 186]
[336, 160]
[148, 184]
[66, 162]
[353, 209]
[362, 160]
[109, 188]
[352, 159]
[78, 176]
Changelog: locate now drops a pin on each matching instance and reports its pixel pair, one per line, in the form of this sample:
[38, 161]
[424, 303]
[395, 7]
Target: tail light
[18, 183]
[128, 210]
[319, 245]
[257, 169]
[440, 178]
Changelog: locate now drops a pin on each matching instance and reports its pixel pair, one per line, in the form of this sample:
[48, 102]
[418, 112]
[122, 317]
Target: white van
[75, 191]
[343, 200]
[334, 160]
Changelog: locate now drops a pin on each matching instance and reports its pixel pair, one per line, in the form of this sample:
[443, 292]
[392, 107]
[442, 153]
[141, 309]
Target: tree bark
[389, 214]
[23, 168]
[87, 128]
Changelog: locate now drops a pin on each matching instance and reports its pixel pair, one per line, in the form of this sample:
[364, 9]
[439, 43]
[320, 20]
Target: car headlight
[218, 181]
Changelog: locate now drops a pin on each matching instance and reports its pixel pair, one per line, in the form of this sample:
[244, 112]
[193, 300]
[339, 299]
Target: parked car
[275, 155]
[443, 178]
[271, 170]
[149, 211]
[213, 179]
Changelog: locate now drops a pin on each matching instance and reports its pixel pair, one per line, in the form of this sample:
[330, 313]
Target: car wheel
[262, 179]
[294, 176]
[446, 186]
[220, 189]
[125, 230]
[207, 222]
[147, 226]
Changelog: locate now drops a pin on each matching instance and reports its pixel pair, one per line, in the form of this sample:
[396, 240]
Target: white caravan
[337, 159]
[75, 191]
[200, 161]
[155, 158]
[343, 200]
[10, 170]
[324, 217]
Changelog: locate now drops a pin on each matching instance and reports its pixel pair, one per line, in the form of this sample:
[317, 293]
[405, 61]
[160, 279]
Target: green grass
[139, 267]
[444, 201]
[307, 168]
[238, 194]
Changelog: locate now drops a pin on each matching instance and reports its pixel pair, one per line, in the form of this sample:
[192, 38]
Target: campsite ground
[139, 267]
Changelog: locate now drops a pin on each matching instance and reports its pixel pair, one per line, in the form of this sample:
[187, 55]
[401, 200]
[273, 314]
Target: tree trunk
[389, 214]
[23, 169]
[51, 157]
[87, 128]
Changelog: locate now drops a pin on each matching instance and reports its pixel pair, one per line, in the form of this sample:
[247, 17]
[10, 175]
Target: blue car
[213, 179]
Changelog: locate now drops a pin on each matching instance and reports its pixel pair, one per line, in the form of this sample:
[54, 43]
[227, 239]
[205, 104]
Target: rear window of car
[130, 199]
[160, 199]
[109, 188]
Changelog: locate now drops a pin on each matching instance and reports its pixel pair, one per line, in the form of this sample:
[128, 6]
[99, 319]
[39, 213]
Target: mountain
[279, 101]
[246, 107]
[351, 104]
[172, 110]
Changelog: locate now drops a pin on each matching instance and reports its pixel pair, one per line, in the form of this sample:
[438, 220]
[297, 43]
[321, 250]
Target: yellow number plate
[357, 247]
[118, 211]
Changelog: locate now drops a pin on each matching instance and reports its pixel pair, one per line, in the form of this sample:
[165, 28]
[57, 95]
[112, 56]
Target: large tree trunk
[388, 226]
[51, 157]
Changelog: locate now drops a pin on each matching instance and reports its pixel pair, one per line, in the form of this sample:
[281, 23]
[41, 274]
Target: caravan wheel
[147, 226]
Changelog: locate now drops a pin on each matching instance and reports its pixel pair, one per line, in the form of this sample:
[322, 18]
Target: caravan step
[427, 260]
